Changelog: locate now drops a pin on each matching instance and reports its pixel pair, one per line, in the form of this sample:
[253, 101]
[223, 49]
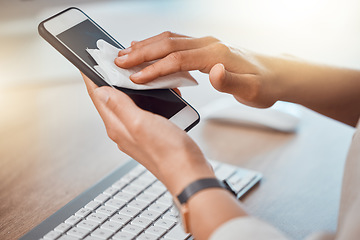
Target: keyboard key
[171, 216]
[83, 212]
[106, 210]
[116, 203]
[101, 198]
[67, 237]
[97, 217]
[52, 235]
[128, 178]
[138, 204]
[158, 207]
[146, 236]
[129, 211]
[73, 220]
[78, 232]
[91, 238]
[152, 215]
[159, 184]
[157, 191]
[88, 224]
[148, 198]
[120, 218]
[235, 179]
[214, 164]
[165, 201]
[224, 171]
[155, 230]
[176, 233]
[165, 223]
[123, 236]
[149, 176]
[141, 222]
[123, 196]
[142, 182]
[119, 184]
[112, 226]
[92, 205]
[110, 191]
[132, 229]
[102, 233]
[132, 189]
[138, 170]
[62, 227]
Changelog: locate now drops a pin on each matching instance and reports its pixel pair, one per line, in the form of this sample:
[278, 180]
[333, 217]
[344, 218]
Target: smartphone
[71, 32]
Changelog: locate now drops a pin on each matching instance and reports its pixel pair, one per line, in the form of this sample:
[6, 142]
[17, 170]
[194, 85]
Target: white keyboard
[137, 206]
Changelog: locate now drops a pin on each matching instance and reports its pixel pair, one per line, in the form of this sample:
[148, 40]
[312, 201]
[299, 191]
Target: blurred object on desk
[282, 116]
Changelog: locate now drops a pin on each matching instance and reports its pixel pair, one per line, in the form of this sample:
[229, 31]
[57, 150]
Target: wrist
[287, 77]
[186, 170]
[275, 83]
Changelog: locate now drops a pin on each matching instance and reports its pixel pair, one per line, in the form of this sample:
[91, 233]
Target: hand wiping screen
[105, 55]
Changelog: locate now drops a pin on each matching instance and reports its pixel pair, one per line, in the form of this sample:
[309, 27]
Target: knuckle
[136, 56]
[112, 134]
[167, 34]
[137, 127]
[137, 45]
[169, 43]
[221, 48]
[211, 39]
[176, 57]
[134, 45]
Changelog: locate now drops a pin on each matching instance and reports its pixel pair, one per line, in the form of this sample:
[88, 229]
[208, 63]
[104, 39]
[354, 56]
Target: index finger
[156, 38]
[175, 62]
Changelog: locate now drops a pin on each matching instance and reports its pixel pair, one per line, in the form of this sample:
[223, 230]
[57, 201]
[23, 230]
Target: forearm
[331, 91]
[211, 208]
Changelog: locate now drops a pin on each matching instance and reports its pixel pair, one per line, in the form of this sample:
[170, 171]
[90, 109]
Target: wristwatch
[180, 202]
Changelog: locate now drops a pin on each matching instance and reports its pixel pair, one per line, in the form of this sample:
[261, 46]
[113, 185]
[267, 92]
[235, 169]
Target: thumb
[242, 86]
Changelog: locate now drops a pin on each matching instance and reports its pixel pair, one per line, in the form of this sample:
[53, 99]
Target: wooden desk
[53, 146]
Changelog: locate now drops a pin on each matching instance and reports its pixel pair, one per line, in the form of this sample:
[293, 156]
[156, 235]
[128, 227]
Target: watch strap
[202, 184]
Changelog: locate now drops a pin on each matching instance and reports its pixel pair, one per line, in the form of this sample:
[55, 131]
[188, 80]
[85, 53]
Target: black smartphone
[71, 32]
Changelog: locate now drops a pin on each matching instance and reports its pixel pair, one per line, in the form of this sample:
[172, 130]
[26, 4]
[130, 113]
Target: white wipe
[105, 55]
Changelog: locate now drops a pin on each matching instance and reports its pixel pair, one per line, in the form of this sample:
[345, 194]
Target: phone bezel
[186, 118]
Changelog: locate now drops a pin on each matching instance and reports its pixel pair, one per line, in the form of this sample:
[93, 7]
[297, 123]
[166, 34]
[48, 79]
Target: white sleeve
[246, 228]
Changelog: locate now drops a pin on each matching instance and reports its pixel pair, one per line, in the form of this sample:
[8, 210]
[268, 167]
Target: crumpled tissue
[105, 55]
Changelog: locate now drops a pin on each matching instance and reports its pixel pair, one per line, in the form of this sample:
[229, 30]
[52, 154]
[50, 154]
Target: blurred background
[324, 30]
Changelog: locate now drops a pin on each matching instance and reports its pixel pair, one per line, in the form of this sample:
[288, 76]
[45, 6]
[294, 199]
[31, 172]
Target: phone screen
[85, 35]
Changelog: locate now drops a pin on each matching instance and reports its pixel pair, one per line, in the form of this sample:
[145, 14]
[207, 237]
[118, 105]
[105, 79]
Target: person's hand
[238, 72]
[152, 140]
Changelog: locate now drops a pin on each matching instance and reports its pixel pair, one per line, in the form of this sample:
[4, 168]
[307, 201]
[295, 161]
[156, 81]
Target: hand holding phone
[71, 32]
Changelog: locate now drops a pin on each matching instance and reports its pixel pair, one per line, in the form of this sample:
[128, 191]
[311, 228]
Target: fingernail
[136, 75]
[102, 95]
[126, 50]
[122, 58]
[133, 42]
